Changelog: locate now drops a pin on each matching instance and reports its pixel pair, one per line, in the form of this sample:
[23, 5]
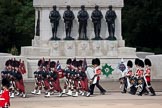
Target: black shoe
[146, 93]
[103, 93]
[132, 93]
[123, 92]
[153, 95]
[139, 94]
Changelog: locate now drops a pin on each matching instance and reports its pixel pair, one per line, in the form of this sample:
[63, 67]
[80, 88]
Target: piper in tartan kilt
[67, 81]
[53, 80]
[38, 78]
[18, 79]
[83, 79]
[5, 74]
[45, 76]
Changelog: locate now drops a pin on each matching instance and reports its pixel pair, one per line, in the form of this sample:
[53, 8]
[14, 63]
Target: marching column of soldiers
[49, 72]
[13, 73]
[138, 82]
[74, 76]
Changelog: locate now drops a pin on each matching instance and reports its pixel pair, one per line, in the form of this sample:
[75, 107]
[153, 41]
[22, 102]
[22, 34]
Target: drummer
[97, 71]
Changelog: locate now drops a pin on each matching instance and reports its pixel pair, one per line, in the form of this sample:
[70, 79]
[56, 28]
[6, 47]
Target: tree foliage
[17, 24]
[142, 24]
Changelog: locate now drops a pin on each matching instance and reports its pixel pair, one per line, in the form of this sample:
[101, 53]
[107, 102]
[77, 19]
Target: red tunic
[4, 98]
[98, 72]
[140, 73]
[129, 73]
[148, 71]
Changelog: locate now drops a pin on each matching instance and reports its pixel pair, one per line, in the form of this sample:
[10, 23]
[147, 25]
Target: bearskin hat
[80, 62]
[52, 64]
[141, 63]
[45, 63]
[136, 62]
[15, 63]
[147, 62]
[130, 63]
[96, 61]
[8, 62]
[40, 62]
[69, 61]
[82, 6]
[96, 6]
[68, 6]
[74, 62]
[5, 82]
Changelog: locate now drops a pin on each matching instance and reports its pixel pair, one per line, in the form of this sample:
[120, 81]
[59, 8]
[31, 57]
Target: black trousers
[92, 86]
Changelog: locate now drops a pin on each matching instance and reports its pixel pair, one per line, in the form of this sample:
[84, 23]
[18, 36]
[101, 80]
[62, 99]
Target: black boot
[152, 91]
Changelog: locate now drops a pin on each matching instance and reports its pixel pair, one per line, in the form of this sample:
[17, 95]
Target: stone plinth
[79, 48]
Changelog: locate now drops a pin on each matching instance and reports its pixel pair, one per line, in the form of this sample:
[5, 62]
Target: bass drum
[90, 73]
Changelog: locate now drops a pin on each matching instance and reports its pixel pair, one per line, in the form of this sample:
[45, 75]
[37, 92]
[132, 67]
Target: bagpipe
[53, 76]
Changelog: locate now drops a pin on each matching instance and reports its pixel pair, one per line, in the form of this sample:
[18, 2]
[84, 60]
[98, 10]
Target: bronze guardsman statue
[110, 19]
[68, 17]
[82, 19]
[54, 17]
[96, 19]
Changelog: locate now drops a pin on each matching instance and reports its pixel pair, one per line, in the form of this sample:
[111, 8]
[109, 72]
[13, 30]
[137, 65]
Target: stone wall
[156, 70]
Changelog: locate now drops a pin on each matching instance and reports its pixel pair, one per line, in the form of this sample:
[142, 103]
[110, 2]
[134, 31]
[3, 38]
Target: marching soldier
[147, 76]
[45, 75]
[67, 81]
[133, 88]
[4, 97]
[83, 78]
[18, 79]
[5, 74]
[141, 81]
[128, 75]
[13, 72]
[97, 71]
[53, 79]
[38, 78]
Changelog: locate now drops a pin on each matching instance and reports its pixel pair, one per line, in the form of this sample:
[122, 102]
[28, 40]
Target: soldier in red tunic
[128, 75]
[4, 97]
[147, 76]
[133, 88]
[141, 79]
[97, 71]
